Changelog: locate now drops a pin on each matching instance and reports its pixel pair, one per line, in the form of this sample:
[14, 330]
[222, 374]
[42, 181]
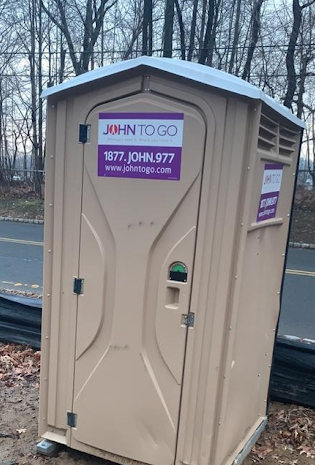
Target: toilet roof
[186, 69]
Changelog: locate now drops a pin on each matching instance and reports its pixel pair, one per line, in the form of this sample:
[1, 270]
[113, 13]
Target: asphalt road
[21, 256]
[297, 317]
[21, 264]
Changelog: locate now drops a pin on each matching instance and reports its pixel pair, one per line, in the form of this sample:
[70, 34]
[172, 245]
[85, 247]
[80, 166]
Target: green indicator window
[178, 272]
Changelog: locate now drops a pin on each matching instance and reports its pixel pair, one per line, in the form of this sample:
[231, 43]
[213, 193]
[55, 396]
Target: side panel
[130, 342]
[256, 296]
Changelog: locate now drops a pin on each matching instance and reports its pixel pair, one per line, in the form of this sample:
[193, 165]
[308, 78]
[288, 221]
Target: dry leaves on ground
[291, 429]
[18, 365]
[289, 438]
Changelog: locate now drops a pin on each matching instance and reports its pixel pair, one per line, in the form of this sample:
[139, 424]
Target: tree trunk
[40, 160]
[311, 162]
[181, 30]
[202, 27]
[291, 74]
[255, 29]
[93, 23]
[193, 31]
[236, 35]
[168, 29]
[2, 174]
[289, 60]
[147, 28]
[207, 39]
[32, 62]
[300, 104]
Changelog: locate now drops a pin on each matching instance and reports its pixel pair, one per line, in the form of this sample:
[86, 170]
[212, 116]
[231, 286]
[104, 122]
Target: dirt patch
[21, 202]
[287, 440]
[19, 391]
[303, 217]
[303, 226]
[304, 199]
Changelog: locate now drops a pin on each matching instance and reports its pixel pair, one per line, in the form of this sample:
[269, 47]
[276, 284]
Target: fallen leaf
[307, 450]
[21, 430]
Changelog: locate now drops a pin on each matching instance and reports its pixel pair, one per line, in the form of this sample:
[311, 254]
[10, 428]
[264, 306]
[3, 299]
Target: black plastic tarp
[293, 370]
[20, 320]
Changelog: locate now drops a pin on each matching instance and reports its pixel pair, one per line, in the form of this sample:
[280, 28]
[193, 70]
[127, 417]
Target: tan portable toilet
[168, 196]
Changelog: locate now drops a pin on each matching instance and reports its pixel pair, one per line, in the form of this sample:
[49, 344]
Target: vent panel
[287, 141]
[276, 139]
[268, 132]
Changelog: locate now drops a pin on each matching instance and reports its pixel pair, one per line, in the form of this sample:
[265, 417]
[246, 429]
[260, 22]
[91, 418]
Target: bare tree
[207, 49]
[236, 34]
[91, 25]
[255, 28]
[181, 27]
[168, 29]
[193, 30]
[147, 28]
[42, 42]
[290, 65]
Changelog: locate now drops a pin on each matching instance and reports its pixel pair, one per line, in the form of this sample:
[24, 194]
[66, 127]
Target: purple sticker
[139, 162]
[144, 116]
[267, 206]
[270, 191]
[140, 145]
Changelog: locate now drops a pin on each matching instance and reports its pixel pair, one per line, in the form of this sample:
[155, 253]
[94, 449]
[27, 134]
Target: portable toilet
[168, 196]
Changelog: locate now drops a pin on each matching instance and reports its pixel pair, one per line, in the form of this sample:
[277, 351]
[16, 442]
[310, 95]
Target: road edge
[296, 245]
[301, 245]
[21, 220]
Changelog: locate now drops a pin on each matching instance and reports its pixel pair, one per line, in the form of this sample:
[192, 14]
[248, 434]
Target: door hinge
[84, 133]
[78, 285]
[72, 419]
[188, 319]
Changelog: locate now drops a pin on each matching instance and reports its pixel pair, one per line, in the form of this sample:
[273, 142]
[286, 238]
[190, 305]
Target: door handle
[172, 297]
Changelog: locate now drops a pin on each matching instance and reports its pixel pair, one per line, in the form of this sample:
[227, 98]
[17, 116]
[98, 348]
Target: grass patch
[20, 208]
[303, 226]
[21, 202]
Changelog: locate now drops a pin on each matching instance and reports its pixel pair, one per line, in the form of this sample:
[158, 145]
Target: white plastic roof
[186, 69]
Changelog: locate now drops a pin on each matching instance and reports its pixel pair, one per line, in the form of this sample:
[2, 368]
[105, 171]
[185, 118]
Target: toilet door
[141, 187]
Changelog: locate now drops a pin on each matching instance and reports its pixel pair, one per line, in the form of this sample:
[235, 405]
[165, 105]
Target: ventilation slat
[287, 141]
[268, 132]
[285, 151]
[275, 138]
[285, 132]
[269, 123]
[265, 143]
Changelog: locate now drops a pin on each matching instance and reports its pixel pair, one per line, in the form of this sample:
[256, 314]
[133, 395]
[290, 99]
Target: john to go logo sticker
[140, 145]
[270, 191]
